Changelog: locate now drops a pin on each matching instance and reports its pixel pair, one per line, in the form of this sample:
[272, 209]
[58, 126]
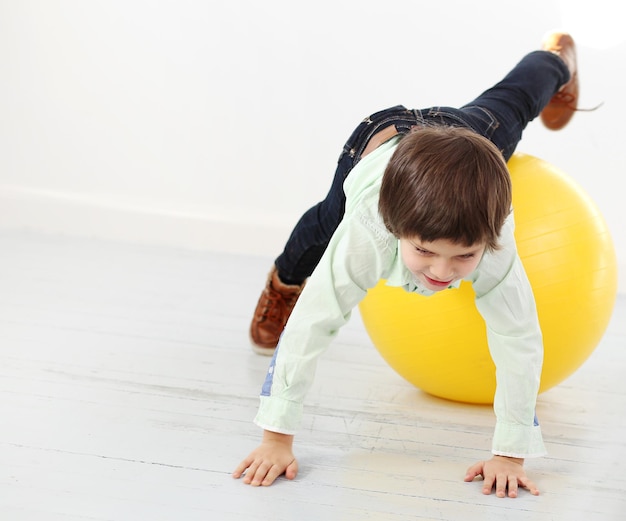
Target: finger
[512, 486]
[501, 483]
[529, 485]
[488, 483]
[290, 473]
[241, 468]
[260, 474]
[273, 472]
[292, 470]
[251, 472]
[474, 470]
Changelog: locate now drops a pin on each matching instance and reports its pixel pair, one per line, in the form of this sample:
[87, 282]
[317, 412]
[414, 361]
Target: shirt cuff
[279, 415]
[518, 441]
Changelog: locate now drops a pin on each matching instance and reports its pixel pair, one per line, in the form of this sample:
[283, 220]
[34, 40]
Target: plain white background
[216, 124]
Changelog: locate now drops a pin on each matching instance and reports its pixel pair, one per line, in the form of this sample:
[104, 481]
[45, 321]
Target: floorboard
[127, 390]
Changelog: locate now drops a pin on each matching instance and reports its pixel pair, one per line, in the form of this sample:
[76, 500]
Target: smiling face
[439, 263]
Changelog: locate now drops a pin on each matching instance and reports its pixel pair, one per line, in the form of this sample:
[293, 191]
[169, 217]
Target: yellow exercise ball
[439, 343]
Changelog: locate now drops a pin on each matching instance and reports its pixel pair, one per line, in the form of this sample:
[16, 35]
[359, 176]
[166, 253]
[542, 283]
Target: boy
[428, 205]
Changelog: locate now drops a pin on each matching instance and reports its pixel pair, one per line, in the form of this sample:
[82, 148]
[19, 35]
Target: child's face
[439, 263]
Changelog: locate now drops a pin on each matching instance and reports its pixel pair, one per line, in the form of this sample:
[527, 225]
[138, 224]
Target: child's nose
[442, 270]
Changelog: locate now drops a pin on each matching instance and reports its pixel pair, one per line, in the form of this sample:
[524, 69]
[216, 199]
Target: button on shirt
[361, 252]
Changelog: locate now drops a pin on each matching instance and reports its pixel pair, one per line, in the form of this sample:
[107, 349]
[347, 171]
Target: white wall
[215, 124]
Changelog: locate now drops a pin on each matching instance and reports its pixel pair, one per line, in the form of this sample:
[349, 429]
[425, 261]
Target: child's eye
[421, 251]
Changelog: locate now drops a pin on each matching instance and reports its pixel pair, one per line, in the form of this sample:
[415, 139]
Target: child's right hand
[269, 460]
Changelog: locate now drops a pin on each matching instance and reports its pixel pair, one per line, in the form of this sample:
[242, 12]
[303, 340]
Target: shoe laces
[276, 303]
[568, 100]
[565, 98]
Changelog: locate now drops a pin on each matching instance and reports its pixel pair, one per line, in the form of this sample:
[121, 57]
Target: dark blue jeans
[500, 114]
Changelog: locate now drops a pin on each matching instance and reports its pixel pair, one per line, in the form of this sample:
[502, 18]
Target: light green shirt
[360, 253]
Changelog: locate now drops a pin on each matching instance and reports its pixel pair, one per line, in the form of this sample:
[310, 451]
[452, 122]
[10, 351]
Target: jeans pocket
[481, 120]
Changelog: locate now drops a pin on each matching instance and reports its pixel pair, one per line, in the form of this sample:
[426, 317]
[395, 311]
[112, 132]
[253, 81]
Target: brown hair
[446, 182]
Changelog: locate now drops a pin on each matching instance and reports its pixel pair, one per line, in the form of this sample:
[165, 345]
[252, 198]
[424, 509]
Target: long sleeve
[506, 302]
[353, 262]
[359, 254]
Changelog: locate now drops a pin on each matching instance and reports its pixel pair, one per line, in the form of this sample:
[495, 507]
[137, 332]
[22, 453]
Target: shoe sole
[264, 351]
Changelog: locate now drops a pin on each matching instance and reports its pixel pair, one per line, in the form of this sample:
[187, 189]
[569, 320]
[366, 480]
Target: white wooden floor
[127, 390]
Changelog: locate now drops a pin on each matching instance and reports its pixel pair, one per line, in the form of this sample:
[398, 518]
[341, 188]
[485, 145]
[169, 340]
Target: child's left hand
[503, 473]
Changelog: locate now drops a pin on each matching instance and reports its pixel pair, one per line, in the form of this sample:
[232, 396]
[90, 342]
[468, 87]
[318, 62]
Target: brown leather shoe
[564, 103]
[271, 313]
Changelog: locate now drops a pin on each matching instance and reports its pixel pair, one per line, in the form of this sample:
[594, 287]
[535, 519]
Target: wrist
[278, 437]
[519, 461]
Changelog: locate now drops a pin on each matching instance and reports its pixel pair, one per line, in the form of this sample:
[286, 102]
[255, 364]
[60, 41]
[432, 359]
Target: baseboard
[72, 215]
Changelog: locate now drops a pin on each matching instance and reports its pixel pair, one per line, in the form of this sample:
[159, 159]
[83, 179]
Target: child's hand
[269, 460]
[502, 473]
